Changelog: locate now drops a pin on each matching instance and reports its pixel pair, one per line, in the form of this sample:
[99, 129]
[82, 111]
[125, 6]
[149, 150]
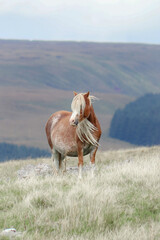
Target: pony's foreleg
[80, 162]
[92, 161]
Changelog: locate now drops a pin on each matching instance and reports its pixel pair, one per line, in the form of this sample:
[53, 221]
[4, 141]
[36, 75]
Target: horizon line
[79, 41]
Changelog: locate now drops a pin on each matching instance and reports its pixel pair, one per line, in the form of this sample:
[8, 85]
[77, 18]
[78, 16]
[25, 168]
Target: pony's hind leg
[65, 165]
[80, 162]
[57, 161]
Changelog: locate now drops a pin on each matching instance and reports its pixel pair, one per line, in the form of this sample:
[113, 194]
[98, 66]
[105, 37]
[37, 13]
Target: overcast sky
[82, 20]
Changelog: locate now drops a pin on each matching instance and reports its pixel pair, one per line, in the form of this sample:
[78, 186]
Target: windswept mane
[85, 129]
[78, 102]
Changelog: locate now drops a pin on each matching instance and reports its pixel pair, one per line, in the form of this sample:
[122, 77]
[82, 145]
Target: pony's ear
[86, 95]
[75, 93]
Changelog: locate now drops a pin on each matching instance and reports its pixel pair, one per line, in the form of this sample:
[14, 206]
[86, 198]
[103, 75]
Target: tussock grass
[121, 202]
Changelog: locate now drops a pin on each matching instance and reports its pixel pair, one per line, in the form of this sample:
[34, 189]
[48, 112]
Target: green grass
[122, 201]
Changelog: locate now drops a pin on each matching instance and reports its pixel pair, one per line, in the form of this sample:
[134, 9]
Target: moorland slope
[130, 69]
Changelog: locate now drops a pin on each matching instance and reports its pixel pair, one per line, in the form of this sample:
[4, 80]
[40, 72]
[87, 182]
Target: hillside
[122, 201]
[24, 113]
[139, 122]
[130, 69]
[37, 78]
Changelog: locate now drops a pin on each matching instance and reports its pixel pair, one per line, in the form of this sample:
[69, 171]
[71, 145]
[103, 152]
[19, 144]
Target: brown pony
[75, 133]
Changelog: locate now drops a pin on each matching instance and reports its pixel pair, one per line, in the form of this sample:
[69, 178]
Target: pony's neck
[92, 116]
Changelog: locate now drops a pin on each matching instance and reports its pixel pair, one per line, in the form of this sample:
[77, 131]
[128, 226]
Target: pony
[75, 133]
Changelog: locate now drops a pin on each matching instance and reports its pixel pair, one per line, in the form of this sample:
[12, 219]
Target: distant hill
[12, 151]
[130, 69]
[139, 122]
[37, 78]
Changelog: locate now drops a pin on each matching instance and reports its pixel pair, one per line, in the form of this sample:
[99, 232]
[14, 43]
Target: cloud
[119, 9]
[90, 12]
[99, 20]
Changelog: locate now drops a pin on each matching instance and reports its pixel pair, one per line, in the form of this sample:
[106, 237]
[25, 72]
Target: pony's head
[81, 107]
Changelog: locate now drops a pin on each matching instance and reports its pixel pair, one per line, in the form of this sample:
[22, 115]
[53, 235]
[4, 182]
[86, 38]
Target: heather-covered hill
[131, 69]
[37, 78]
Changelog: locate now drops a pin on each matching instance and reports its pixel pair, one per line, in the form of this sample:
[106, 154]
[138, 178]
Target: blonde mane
[85, 129]
[78, 102]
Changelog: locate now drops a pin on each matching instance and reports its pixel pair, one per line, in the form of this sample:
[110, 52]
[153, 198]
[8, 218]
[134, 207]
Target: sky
[135, 21]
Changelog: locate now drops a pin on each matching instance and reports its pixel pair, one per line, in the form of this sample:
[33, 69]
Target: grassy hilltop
[121, 202]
